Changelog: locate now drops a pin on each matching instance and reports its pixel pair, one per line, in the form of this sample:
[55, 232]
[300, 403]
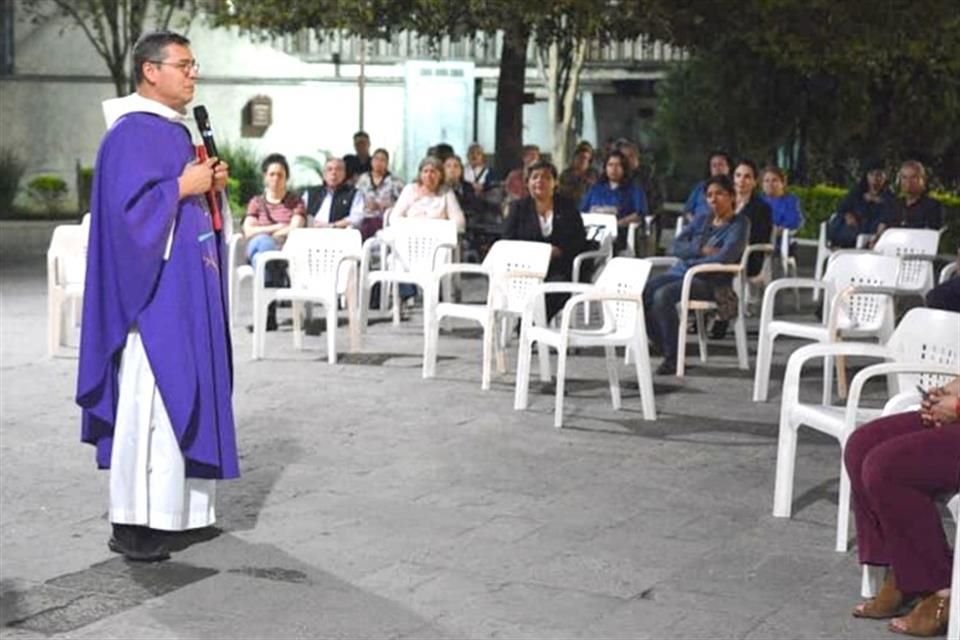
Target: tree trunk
[513, 69]
[564, 127]
[121, 84]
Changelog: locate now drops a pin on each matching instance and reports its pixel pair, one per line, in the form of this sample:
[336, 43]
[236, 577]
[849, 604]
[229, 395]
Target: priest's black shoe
[139, 544]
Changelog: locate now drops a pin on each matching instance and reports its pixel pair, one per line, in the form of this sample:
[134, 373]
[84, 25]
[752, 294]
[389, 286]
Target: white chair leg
[332, 317]
[488, 337]
[503, 338]
[561, 380]
[843, 509]
[396, 304]
[627, 359]
[871, 580]
[431, 339]
[364, 304]
[786, 459]
[681, 339]
[543, 351]
[761, 379]
[740, 334]
[259, 323]
[53, 324]
[613, 376]
[827, 381]
[297, 308]
[701, 334]
[644, 377]
[522, 385]
[353, 327]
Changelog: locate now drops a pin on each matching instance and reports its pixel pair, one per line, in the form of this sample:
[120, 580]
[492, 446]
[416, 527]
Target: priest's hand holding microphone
[201, 177]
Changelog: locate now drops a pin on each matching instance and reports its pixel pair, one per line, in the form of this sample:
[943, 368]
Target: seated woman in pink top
[429, 197]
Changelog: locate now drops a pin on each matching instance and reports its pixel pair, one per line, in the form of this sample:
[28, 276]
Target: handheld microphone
[206, 131]
[208, 150]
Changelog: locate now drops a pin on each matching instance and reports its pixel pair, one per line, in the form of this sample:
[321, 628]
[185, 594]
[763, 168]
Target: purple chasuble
[178, 305]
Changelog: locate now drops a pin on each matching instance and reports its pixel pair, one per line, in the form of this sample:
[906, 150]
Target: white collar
[115, 108]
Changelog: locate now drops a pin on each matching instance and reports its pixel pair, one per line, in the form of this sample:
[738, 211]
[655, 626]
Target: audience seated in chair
[544, 216]
[695, 209]
[379, 189]
[865, 209]
[898, 465]
[358, 162]
[616, 192]
[721, 240]
[336, 203]
[514, 185]
[946, 295]
[915, 208]
[577, 179]
[270, 217]
[785, 207]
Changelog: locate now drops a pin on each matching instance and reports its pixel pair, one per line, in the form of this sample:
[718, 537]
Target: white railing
[483, 48]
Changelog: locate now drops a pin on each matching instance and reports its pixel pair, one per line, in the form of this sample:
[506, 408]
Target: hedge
[820, 201]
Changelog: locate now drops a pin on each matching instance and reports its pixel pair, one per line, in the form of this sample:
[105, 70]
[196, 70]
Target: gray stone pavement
[377, 504]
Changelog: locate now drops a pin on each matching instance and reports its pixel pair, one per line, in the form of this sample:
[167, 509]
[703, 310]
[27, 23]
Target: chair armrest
[662, 261]
[436, 253]
[733, 269]
[805, 242]
[594, 295]
[451, 268]
[586, 255]
[791, 379]
[263, 258]
[882, 369]
[768, 307]
[536, 293]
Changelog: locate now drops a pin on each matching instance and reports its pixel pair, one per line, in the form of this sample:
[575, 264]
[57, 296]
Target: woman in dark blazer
[543, 216]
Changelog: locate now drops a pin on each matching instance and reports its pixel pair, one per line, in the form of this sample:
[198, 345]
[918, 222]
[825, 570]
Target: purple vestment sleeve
[178, 304]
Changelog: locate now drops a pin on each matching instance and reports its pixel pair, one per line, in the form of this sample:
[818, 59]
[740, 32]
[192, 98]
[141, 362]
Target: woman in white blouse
[428, 197]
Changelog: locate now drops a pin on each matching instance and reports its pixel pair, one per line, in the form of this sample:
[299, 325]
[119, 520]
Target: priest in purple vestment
[155, 373]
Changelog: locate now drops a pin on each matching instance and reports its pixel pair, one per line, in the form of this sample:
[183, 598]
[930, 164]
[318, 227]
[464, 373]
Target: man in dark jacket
[336, 203]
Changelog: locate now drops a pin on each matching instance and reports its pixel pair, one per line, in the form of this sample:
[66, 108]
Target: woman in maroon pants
[898, 465]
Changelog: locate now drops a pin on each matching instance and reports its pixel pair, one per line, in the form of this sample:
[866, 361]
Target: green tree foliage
[113, 26]
[561, 24]
[825, 83]
[48, 191]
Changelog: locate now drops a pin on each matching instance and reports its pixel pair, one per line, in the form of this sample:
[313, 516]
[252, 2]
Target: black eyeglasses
[185, 66]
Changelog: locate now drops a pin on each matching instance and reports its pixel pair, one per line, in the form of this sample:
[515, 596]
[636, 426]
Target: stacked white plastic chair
[847, 313]
[513, 268]
[699, 307]
[322, 265]
[66, 271]
[619, 289]
[411, 250]
[923, 350]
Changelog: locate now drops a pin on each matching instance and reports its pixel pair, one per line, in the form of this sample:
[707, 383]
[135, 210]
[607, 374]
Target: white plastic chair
[240, 272]
[917, 248]
[605, 224]
[66, 270]
[923, 350]
[846, 313]
[411, 250]
[512, 268]
[322, 266]
[699, 307]
[620, 290]
[788, 263]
